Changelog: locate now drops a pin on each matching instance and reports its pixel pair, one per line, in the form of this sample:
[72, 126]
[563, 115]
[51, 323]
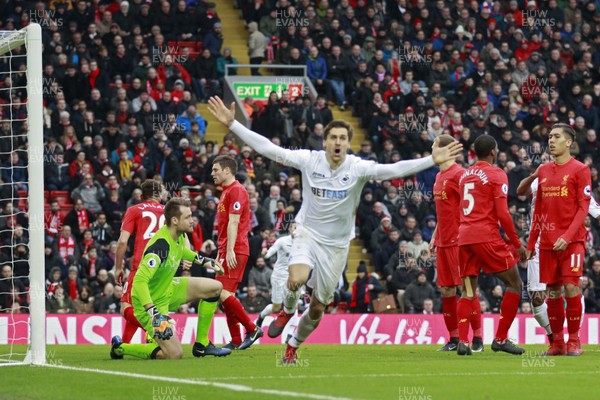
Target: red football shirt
[480, 186]
[144, 220]
[234, 200]
[561, 204]
[447, 205]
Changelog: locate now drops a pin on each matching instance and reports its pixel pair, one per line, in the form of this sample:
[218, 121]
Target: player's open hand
[432, 246]
[217, 267]
[560, 245]
[231, 259]
[442, 154]
[161, 324]
[219, 110]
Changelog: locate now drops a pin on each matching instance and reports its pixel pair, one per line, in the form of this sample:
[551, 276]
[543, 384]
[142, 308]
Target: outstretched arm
[261, 144]
[524, 188]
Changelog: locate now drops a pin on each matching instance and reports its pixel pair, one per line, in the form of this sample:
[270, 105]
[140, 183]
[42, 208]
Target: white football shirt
[330, 197]
[283, 248]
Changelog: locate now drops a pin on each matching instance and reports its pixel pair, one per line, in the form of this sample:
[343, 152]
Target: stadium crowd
[120, 107]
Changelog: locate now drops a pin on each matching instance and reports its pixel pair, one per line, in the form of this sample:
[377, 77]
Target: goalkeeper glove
[213, 264]
[161, 323]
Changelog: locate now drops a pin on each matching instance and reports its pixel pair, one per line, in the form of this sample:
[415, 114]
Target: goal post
[35, 149]
[31, 38]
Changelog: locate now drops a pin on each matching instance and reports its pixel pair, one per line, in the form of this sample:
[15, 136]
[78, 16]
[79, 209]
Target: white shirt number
[151, 230]
[468, 197]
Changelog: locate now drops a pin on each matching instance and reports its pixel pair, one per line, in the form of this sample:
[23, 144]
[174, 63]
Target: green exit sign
[261, 91]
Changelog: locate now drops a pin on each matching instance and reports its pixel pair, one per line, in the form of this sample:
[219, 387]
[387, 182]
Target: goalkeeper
[155, 291]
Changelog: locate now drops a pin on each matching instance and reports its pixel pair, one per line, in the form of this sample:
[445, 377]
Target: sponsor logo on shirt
[587, 190]
[237, 206]
[318, 175]
[329, 193]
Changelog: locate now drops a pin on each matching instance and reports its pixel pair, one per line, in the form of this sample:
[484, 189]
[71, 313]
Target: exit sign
[261, 91]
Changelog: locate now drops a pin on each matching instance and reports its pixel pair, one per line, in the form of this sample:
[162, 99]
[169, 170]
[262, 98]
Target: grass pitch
[323, 372]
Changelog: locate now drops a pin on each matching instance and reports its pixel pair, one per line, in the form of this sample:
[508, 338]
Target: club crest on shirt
[345, 179]
[565, 178]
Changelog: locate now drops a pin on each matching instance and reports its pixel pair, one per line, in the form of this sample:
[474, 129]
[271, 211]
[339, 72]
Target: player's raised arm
[261, 144]
[273, 249]
[439, 155]
[524, 187]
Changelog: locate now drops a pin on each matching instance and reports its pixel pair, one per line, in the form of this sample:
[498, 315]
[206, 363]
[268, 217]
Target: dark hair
[227, 162]
[338, 123]
[484, 145]
[445, 140]
[173, 208]
[151, 189]
[566, 128]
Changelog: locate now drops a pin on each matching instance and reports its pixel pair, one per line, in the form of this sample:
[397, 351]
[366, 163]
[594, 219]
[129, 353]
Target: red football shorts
[448, 273]
[491, 257]
[565, 266]
[126, 298]
[232, 277]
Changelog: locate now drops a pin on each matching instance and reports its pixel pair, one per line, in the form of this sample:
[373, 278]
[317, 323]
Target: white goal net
[22, 294]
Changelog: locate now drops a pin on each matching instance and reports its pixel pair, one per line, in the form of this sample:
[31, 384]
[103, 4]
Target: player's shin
[234, 306]
[206, 312]
[268, 310]
[556, 316]
[449, 305]
[290, 301]
[508, 312]
[476, 318]
[540, 313]
[131, 325]
[573, 317]
[305, 327]
[144, 351]
[464, 311]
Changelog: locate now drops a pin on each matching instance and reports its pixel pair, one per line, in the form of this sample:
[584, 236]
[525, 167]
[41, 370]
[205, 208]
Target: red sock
[449, 305]
[508, 311]
[237, 309]
[573, 316]
[464, 311]
[234, 326]
[131, 325]
[476, 318]
[556, 315]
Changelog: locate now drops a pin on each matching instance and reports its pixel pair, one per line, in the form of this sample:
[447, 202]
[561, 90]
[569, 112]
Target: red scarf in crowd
[73, 289]
[354, 291]
[92, 271]
[66, 247]
[87, 244]
[249, 167]
[82, 219]
[93, 76]
[53, 221]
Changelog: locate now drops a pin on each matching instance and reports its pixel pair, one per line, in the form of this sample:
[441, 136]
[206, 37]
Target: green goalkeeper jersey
[155, 273]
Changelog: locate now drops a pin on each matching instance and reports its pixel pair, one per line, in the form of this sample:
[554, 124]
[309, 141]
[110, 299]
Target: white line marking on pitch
[398, 375]
[227, 386]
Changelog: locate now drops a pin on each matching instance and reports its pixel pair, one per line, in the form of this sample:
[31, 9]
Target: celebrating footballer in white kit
[332, 182]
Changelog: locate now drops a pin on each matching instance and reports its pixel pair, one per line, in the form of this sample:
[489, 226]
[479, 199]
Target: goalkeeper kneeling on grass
[155, 291]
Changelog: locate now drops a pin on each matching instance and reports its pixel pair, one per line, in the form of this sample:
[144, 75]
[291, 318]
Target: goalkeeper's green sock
[145, 351]
[206, 311]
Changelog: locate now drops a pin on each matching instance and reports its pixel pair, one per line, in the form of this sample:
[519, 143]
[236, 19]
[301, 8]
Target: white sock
[541, 316]
[294, 321]
[582, 310]
[305, 328]
[268, 310]
[291, 300]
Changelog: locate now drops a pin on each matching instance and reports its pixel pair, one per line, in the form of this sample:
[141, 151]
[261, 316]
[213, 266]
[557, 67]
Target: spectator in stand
[204, 76]
[84, 304]
[213, 41]
[72, 285]
[60, 303]
[260, 276]
[257, 45]
[416, 293]
[90, 192]
[365, 289]
[79, 219]
[102, 232]
[253, 303]
[190, 115]
[53, 221]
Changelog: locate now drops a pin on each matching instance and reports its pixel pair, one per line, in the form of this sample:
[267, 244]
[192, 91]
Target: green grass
[356, 372]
